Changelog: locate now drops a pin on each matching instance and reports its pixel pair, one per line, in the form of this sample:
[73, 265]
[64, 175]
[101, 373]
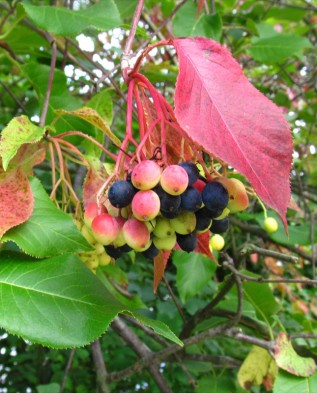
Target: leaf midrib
[28, 289]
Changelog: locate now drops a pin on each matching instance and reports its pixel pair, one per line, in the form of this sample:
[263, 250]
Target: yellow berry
[216, 242]
[104, 259]
[270, 225]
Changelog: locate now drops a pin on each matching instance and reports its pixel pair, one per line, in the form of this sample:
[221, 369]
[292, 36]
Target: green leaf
[286, 13]
[209, 26]
[126, 7]
[287, 359]
[56, 302]
[261, 297]
[49, 231]
[49, 388]
[219, 384]
[194, 271]
[102, 103]
[288, 383]
[159, 327]
[185, 23]
[277, 48]
[19, 131]
[102, 16]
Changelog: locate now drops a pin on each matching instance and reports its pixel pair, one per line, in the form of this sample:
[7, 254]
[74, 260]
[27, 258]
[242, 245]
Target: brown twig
[100, 367]
[263, 280]
[251, 248]
[143, 351]
[67, 369]
[234, 333]
[180, 311]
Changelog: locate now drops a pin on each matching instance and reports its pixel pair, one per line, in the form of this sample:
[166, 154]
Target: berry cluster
[153, 209]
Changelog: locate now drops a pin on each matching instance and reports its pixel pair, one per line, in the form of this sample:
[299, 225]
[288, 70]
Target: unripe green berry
[270, 225]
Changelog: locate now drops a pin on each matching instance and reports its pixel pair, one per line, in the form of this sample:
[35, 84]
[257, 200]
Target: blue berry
[121, 193]
[192, 171]
[215, 196]
[191, 199]
[187, 242]
[219, 226]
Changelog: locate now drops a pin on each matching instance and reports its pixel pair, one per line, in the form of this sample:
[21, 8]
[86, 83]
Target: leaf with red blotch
[175, 148]
[94, 180]
[16, 199]
[28, 156]
[160, 262]
[203, 245]
[222, 112]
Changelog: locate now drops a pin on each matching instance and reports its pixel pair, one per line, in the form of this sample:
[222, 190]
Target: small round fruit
[136, 233]
[151, 252]
[184, 223]
[238, 197]
[270, 225]
[216, 242]
[187, 242]
[191, 199]
[105, 228]
[215, 196]
[174, 179]
[120, 240]
[91, 211]
[146, 205]
[219, 226]
[104, 259]
[121, 193]
[192, 171]
[163, 228]
[165, 243]
[146, 175]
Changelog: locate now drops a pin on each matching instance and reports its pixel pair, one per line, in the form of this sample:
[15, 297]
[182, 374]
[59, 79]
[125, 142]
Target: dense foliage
[243, 318]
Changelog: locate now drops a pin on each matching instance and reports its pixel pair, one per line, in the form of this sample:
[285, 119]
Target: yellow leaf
[93, 117]
[257, 368]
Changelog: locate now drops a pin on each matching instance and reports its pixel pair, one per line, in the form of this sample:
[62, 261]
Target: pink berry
[174, 180]
[145, 205]
[136, 233]
[91, 211]
[105, 228]
[146, 175]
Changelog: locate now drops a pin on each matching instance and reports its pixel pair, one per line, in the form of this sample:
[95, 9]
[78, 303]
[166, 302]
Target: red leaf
[175, 147]
[160, 262]
[94, 180]
[230, 119]
[16, 199]
[203, 246]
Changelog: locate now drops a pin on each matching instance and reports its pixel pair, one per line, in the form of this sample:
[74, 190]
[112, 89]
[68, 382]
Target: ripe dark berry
[191, 199]
[219, 226]
[192, 171]
[215, 196]
[187, 242]
[121, 193]
[151, 252]
[113, 251]
[170, 214]
[169, 203]
[203, 219]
